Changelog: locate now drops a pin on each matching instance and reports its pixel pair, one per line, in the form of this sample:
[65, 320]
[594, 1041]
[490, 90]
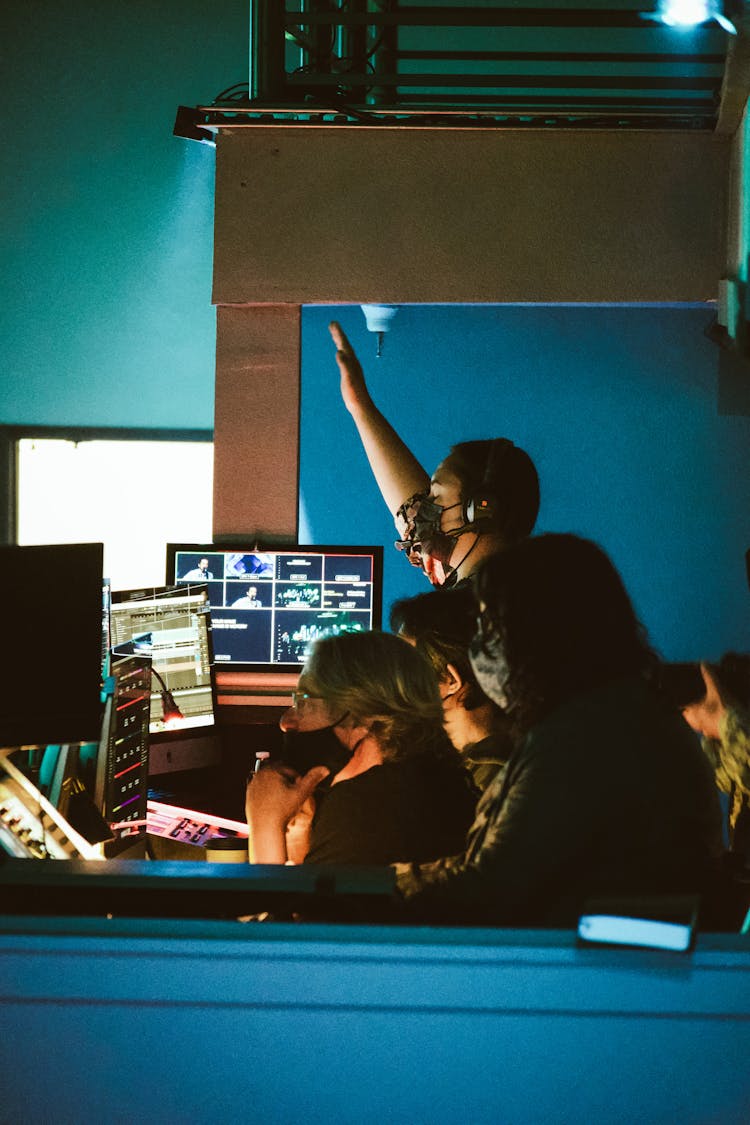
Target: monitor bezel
[249, 547]
[146, 593]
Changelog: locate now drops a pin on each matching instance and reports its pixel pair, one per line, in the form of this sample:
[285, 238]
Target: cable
[170, 710]
[232, 93]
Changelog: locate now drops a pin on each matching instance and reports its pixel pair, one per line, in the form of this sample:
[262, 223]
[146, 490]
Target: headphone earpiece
[478, 509]
[483, 507]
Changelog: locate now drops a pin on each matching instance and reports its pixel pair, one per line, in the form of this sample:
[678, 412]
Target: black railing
[382, 55]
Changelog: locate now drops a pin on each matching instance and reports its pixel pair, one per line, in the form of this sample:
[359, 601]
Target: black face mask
[303, 749]
[420, 518]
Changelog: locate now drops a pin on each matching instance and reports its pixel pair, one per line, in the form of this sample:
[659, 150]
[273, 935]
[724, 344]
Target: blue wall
[105, 265]
[617, 406]
[106, 235]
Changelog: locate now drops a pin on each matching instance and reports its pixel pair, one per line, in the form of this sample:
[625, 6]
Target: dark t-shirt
[412, 810]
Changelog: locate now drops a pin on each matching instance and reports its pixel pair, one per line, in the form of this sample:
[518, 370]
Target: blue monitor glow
[269, 605]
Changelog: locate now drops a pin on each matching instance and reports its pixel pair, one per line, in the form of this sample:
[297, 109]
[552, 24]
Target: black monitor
[52, 624]
[269, 605]
[171, 625]
[84, 799]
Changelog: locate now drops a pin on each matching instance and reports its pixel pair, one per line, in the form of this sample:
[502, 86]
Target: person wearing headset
[481, 498]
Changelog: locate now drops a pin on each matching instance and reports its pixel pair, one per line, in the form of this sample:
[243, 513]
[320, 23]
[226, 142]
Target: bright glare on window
[133, 496]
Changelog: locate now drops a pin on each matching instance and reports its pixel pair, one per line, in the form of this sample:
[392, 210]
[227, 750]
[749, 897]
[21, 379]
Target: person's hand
[298, 832]
[275, 794]
[705, 716]
[274, 797]
[714, 707]
[353, 387]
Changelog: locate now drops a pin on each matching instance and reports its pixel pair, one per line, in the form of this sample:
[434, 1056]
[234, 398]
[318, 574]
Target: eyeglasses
[300, 699]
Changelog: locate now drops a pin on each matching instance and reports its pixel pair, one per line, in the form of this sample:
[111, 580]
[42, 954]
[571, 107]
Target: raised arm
[396, 470]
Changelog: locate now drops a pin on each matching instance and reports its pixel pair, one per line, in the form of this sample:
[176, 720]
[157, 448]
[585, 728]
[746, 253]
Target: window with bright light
[134, 496]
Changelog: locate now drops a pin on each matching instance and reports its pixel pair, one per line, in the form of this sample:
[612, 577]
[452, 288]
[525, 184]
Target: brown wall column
[256, 422]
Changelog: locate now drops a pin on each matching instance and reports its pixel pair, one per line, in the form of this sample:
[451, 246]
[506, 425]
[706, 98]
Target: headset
[484, 506]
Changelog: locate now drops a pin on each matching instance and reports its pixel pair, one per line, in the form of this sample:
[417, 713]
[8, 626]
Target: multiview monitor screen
[268, 606]
[173, 627]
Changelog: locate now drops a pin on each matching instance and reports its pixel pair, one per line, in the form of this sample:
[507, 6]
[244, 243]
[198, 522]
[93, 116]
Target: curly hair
[558, 609]
[381, 679]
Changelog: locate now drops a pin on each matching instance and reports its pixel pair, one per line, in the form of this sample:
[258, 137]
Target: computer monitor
[52, 624]
[172, 625]
[269, 605]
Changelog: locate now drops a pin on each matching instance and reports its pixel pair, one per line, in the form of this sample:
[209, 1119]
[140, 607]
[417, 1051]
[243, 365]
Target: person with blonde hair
[364, 739]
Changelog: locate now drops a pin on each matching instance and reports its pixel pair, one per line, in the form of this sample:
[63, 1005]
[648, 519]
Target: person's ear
[452, 684]
[354, 732]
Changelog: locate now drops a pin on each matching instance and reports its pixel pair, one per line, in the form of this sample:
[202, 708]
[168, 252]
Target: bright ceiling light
[686, 13]
[691, 13]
